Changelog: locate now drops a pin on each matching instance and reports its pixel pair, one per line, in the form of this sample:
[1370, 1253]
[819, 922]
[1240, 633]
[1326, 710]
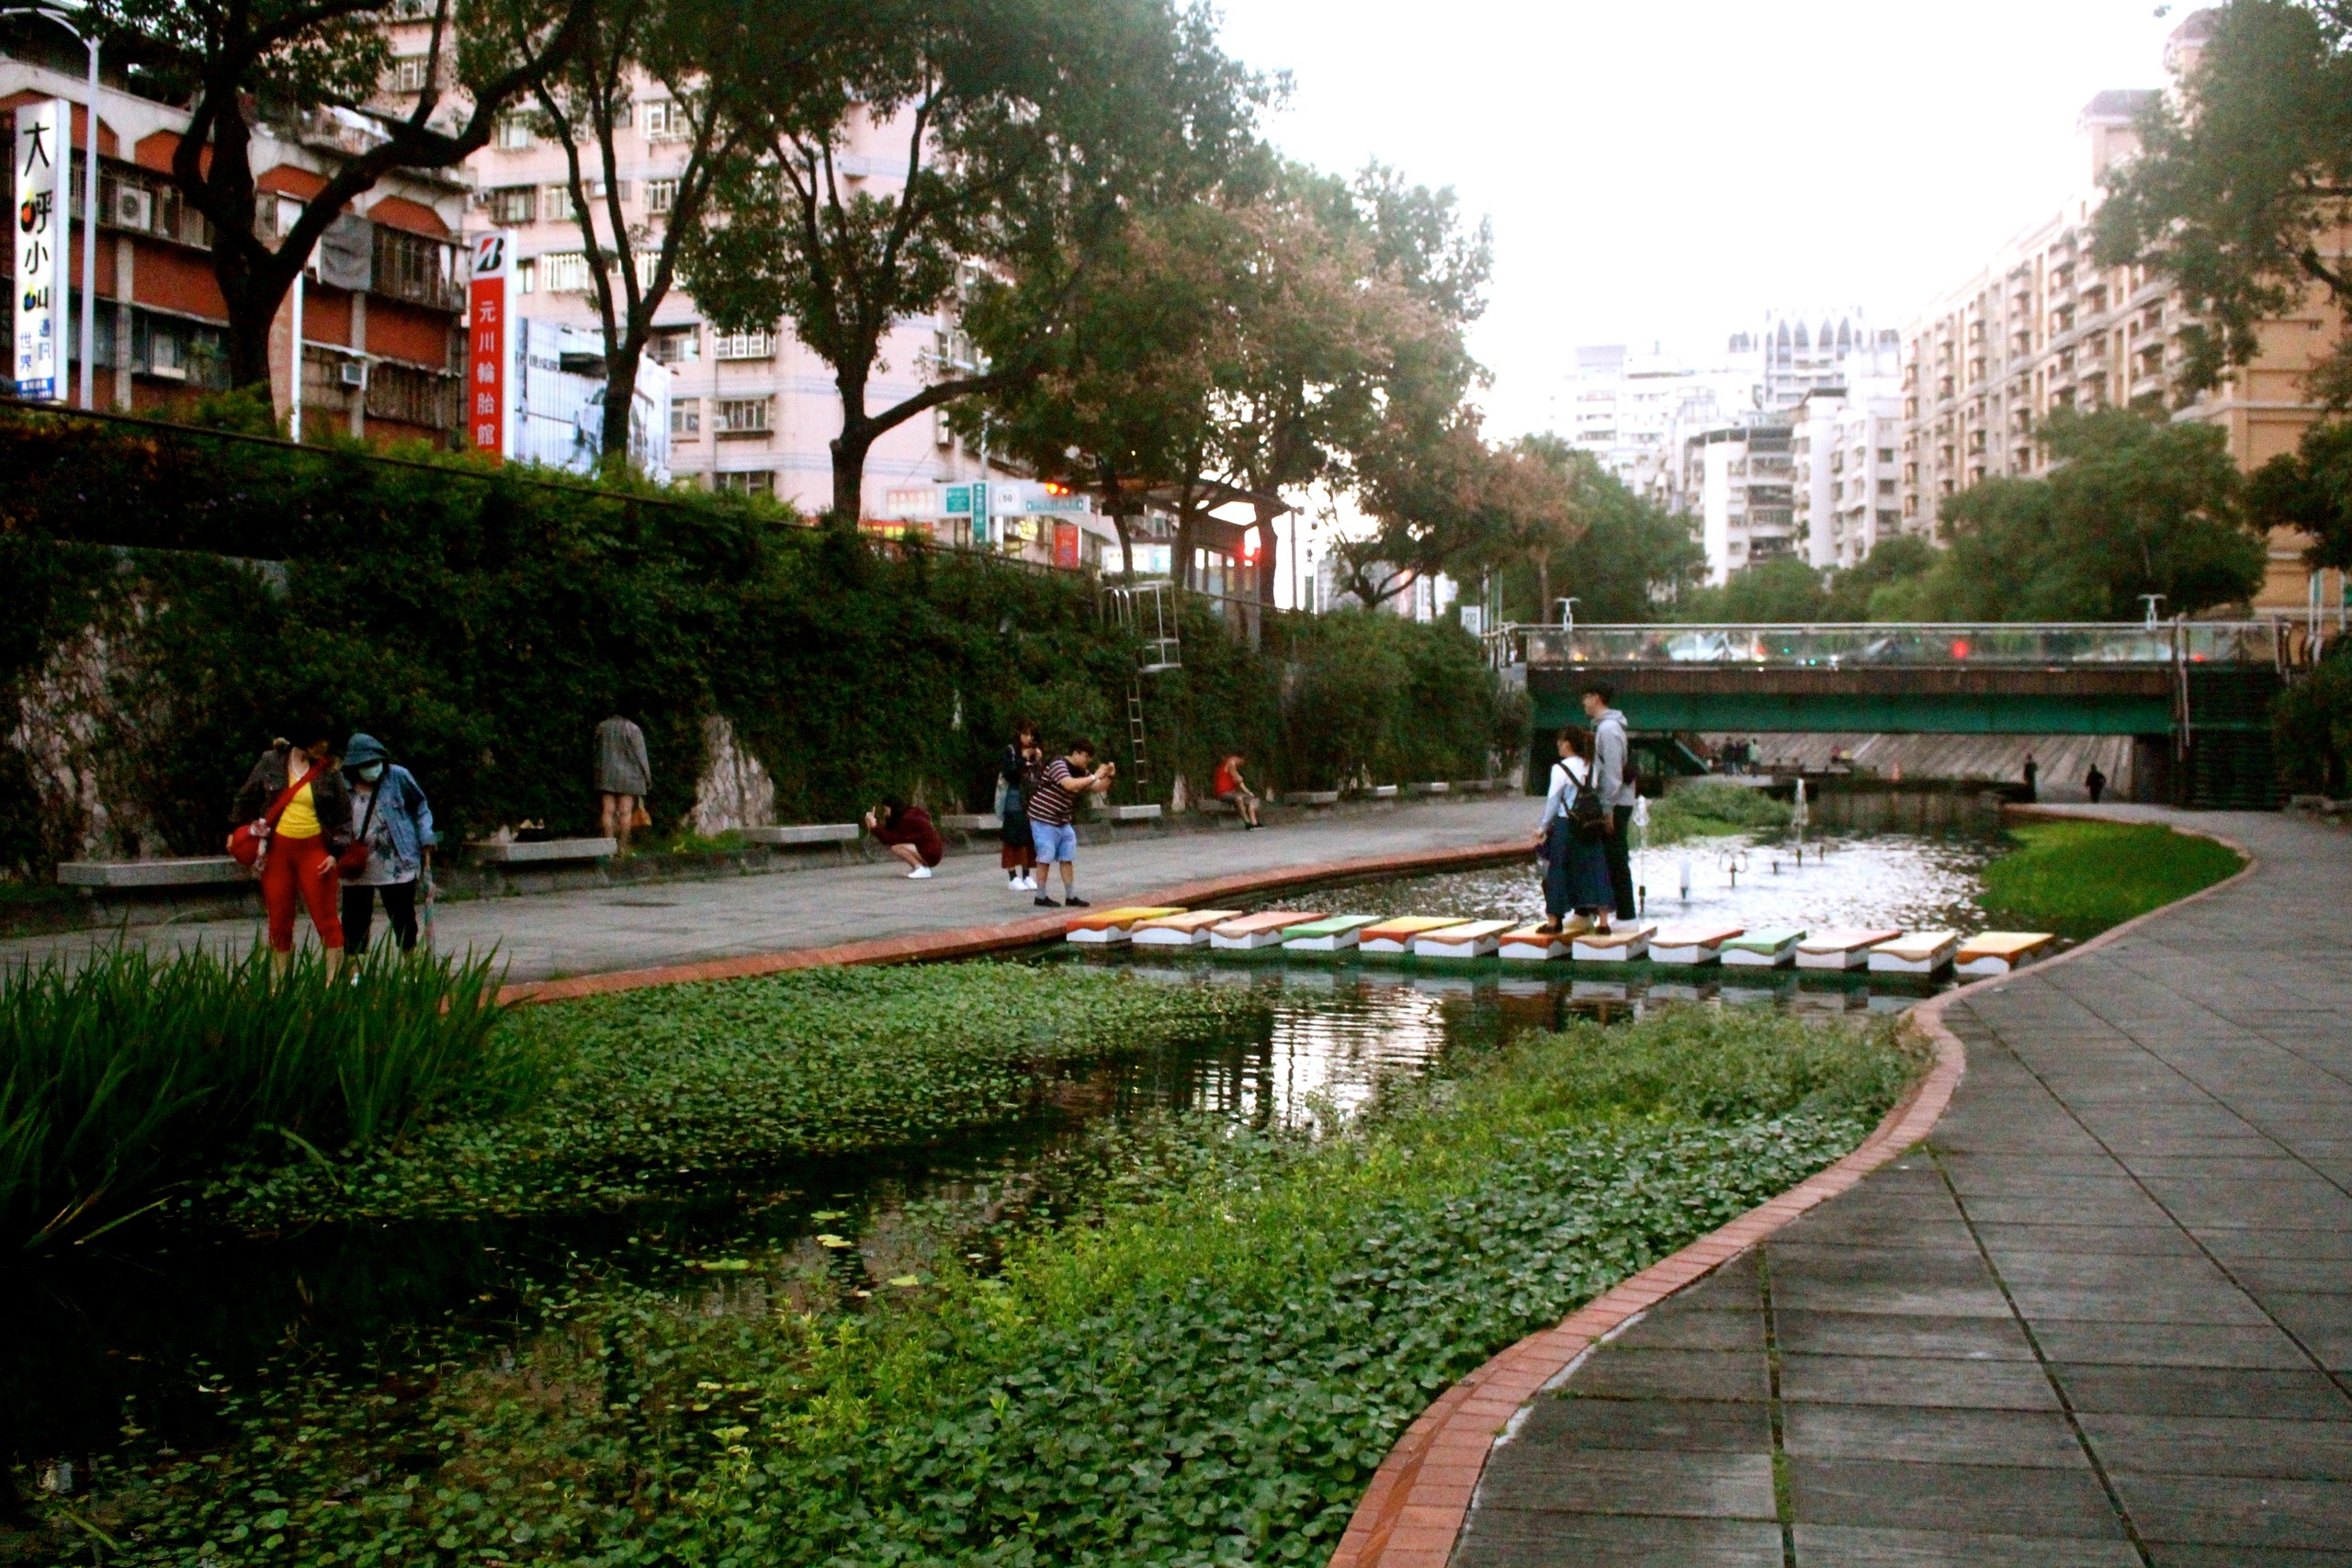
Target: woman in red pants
[301, 846]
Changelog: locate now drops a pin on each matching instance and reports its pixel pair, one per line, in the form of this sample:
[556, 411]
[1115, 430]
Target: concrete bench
[1310, 797]
[202, 871]
[1146, 812]
[1381, 792]
[1434, 787]
[798, 833]
[545, 851]
[972, 822]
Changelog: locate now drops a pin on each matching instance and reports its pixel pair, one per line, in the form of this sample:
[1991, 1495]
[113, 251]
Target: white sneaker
[919, 874]
[1026, 885]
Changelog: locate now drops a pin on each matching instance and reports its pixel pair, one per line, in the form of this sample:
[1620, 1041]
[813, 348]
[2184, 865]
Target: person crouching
[909, 834]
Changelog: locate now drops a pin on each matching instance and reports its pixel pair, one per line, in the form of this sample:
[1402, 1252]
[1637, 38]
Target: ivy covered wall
[167, 596]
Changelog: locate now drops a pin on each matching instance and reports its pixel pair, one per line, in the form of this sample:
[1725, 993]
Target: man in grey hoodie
[1612, 765]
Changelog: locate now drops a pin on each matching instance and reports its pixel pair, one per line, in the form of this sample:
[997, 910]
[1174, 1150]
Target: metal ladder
[1135, 729]
[1147, 611]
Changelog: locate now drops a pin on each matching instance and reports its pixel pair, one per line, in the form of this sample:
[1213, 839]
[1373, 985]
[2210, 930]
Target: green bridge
[2195, 696]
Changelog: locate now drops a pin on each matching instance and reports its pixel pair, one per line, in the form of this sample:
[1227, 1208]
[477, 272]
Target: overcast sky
[1669, 169]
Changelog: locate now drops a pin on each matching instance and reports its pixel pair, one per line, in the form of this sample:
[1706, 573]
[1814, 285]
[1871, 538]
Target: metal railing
[1831, 646]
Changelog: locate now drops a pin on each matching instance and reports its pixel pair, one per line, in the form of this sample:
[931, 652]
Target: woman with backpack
[1570, 839]
[290, 820]
[392, 838]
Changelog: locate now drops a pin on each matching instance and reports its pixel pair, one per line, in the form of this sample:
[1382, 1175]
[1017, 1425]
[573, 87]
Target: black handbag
[1586, 814]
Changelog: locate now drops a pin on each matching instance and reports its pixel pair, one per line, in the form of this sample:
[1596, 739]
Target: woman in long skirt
[1576, 868]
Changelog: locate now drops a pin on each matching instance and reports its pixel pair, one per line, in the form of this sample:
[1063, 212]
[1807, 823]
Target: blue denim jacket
[404, 824]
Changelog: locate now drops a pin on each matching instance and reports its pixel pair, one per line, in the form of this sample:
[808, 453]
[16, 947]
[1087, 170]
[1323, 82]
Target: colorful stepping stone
[1842, 949]
[1531, 944]
[1333, 933]
[1190, 928]
[1999, 953]
[1398, 935]
[1471, 939]
[1915, 952]
[1106, 926]
[1767, 949]
[1618, 944]
[1690, 944]
[1266, 928]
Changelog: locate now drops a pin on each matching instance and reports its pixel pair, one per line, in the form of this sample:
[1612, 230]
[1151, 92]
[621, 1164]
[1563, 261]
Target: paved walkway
[2102, 1317]
[652, 924]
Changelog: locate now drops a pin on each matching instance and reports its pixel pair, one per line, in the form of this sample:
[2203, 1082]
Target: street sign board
[40, 156]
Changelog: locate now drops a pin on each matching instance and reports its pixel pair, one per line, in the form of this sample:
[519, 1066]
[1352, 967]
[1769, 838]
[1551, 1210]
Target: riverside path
[2101, 1316]
[656, 924]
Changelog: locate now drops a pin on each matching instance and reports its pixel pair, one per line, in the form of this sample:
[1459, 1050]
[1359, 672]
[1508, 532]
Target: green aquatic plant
[1199, 1358]
[650, 1085]
[1714, 809]
[127, 1073]
[2080, 878]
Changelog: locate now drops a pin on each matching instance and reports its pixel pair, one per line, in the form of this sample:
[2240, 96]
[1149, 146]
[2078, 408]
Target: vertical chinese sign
[1066, 546]
[40, 235]
[486, 347]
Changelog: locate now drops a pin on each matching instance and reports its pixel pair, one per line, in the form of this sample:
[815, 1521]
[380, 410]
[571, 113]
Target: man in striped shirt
[1052, 808]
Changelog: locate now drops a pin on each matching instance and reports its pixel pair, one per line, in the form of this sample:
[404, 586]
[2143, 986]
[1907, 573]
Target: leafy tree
[689, 49]
[1632, 558]
[2135, 506]
[2242, 184]
[2310, 489]
[1860, 592]
[1025, 132]
[241, 64]
[1782, 590]
[1437, 492]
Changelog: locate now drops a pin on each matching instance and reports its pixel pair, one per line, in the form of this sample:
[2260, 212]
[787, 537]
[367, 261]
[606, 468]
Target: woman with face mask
[391, 816]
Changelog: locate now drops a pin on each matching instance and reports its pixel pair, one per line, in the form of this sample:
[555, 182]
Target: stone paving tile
[2039, 1439]
[1690, 1425]
[1708, 1330]
[1616, 1371]
[1974, 1499]
[1513, 1538]
[2153, 1303]
[2237, 1510]
[1847, 1546]
[2170, 1345]
[2302, 1394]
[2221, 1445]
[1894, 1379]
[1640, 1481]
[2003, 1241]
[2176, 1554]
[1909, 1335]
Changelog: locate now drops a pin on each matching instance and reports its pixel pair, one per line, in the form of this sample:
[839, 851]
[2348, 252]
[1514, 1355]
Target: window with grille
[411, 72]
[742, 346]
[742, 416]
[752, 481]
[513, 204]
[675, 346]
[565, 272]
[660, 195]
[514, 134]
[663, 119]
[686, 419]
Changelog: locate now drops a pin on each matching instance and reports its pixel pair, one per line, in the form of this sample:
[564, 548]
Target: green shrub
[2080, 878]
[1711, 809]
[2313, 720]
[133, 1072]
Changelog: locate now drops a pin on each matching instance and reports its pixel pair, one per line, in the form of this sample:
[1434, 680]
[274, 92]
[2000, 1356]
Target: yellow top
[300, 818]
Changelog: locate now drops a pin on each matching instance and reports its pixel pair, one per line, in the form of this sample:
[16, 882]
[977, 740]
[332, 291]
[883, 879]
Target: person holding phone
[1053, 815]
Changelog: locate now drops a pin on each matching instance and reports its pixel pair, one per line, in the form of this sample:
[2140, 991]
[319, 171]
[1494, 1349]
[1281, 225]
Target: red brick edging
[1412, 1513]
[963, 942]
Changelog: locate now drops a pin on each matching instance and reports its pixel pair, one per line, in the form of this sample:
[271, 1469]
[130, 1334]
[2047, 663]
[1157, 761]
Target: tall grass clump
[1712, 809]
[129, 1072]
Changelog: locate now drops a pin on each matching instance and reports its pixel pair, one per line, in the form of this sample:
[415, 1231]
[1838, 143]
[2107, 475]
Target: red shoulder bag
[246, 846]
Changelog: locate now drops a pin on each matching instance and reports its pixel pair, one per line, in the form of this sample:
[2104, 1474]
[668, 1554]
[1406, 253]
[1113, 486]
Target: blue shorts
[1054, 842]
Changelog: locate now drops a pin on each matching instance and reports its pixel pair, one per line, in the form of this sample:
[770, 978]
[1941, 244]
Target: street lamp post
[89, 323]
[1568, 613]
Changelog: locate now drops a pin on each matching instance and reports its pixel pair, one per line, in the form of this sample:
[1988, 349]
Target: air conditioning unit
[352, 373]
[134, 207]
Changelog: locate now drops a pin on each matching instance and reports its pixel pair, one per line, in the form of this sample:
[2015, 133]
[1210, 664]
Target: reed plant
[126, 1073]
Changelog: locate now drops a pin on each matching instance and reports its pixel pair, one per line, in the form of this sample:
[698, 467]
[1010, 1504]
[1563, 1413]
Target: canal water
[153, 1332]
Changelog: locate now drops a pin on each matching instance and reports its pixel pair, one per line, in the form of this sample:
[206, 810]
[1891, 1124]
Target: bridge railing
[1832, 645]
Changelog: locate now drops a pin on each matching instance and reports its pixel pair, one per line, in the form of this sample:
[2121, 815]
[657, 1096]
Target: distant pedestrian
[2096, 782]
[1053, 815]
[1016, 775]
[1568, 840]
[2032, 775]
[393, 840]
[1613, 781]
[1230, 787]
[624, 778]
[295, 804]
[909, 835]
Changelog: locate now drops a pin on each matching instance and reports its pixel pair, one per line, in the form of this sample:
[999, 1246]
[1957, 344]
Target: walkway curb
[965, 942]
[1412, 1514]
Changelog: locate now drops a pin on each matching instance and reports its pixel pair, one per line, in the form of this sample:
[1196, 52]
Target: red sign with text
[1066, 545]
[486, 347]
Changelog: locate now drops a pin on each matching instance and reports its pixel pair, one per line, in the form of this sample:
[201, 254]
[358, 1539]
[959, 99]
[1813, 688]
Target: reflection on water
[149, 1325]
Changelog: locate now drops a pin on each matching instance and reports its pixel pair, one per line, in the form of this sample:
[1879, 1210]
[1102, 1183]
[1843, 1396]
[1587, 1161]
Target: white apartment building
[1844, 487]
[1740, 478]
[1632, 409]
[1802, 352]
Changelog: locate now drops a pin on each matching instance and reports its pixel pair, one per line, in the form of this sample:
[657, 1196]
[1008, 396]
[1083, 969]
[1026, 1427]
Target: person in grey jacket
[624, 775]
[388, 805]
[1612, 767]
